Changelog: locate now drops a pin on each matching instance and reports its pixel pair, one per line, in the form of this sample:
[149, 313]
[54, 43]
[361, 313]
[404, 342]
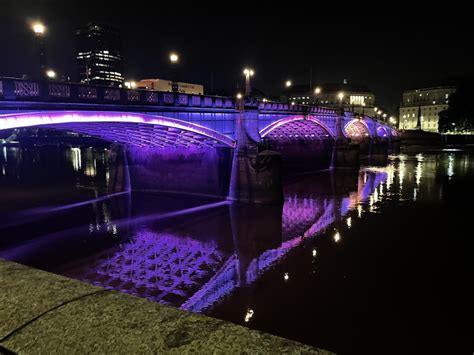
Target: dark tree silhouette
[459, 117]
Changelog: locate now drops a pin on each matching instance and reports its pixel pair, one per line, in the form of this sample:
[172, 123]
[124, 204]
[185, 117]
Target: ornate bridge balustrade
[12, 89]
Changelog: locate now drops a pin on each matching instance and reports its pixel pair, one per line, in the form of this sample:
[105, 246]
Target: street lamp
[248, 73]
[288, 83]
[239, 96]
[317, 91]
[340, 96]
[51, 74]
[39, 29]
[174, 58]
[130, 84]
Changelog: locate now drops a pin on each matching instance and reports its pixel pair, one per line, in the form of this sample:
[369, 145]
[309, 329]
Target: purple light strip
[19, 120]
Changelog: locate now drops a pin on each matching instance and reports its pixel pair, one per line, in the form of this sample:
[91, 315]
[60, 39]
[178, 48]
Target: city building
[99, 55]
[355, 98]
[422, 107]
[167, 85]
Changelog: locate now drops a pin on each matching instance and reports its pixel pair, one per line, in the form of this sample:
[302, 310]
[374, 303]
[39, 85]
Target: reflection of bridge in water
[183, 270]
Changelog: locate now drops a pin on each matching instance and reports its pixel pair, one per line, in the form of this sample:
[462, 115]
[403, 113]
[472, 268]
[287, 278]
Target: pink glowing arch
[128, 128]
[357, 129]
[295, 119]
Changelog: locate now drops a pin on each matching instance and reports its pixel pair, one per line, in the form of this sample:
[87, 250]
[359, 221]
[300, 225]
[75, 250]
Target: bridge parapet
[278, 107]
[14, 89]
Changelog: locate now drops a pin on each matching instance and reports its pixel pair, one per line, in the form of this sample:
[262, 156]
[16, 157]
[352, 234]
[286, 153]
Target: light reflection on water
[206, 258]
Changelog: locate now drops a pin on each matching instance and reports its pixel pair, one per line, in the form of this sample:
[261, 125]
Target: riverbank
[43, 312]
[413, 141]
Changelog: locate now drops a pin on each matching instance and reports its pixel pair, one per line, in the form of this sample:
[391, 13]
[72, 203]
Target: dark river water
[374, 260]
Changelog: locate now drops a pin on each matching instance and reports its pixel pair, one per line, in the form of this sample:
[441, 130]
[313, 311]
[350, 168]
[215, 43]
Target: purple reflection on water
[156, 266]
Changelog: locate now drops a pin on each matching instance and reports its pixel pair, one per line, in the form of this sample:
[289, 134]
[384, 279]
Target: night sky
[386, 53]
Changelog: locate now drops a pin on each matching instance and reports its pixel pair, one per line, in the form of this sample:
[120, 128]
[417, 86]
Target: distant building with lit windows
[99, 55]
[428, 102]
[355, 98]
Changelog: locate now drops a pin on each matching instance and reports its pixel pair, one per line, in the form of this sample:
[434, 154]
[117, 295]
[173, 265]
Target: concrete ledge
[42, 312]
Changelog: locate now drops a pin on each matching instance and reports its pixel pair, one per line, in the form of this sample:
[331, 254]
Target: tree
[459, 117]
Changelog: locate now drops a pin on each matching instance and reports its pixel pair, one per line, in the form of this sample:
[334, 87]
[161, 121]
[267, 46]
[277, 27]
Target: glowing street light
[38, 28]
[51, 74]
[379, 112]
[340, 96]
[239, 95]
[248, 72]
[317, 91]
[288, 83]
[174, 58]
[130, 84]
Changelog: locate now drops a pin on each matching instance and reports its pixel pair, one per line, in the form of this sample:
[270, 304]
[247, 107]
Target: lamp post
[248, 74]
[288, 83]
[174, 59]
[39, 30]
[341, 97]
[317, 91]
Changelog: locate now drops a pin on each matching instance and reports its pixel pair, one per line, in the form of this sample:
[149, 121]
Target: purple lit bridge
[232, 148]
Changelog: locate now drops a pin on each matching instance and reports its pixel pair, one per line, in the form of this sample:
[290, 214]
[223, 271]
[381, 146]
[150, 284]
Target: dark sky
[386, 53]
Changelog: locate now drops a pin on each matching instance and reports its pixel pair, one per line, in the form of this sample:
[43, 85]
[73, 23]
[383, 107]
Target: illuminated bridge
[225, 142]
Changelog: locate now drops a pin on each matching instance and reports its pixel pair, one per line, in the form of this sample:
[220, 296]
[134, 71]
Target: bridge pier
[119, 173]
[256, 176]
[203, 172]
[344, 154]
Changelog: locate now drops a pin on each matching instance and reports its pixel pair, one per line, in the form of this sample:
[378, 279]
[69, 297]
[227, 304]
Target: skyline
[379, 58]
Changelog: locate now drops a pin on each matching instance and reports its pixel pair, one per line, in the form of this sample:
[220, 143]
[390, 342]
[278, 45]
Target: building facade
[355, 97]
[99, 55]
[167, 85]
[420, 108]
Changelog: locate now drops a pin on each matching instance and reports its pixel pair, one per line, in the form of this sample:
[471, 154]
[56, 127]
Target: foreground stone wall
[44, 313]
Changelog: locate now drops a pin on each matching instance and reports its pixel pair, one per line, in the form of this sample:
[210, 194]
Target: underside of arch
[357, 130]
[132, 129]
[296, 128]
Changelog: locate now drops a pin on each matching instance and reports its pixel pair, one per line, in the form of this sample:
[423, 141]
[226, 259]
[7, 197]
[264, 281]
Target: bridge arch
[357, 130]
[382, 131]
[297, 127]
[133, 129]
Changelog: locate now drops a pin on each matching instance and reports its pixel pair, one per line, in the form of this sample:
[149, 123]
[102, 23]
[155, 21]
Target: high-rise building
[99, 55]
[420, 108]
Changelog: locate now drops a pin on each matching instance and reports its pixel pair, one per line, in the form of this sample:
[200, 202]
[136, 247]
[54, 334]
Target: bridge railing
[288, 107]
[13, 89]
